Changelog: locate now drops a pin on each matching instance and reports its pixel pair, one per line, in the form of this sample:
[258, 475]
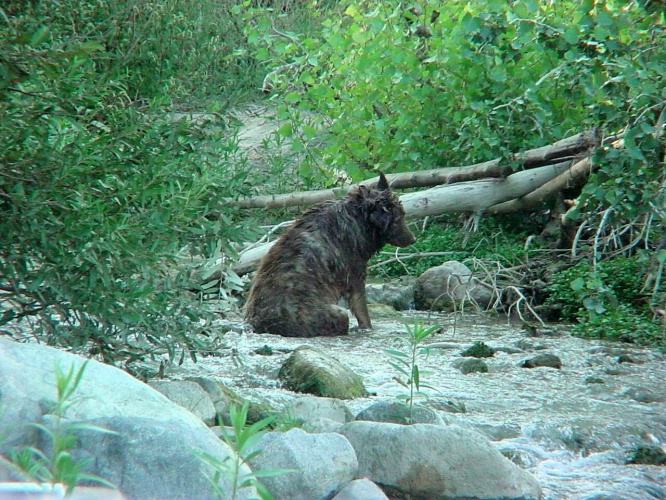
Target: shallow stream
[573, 428]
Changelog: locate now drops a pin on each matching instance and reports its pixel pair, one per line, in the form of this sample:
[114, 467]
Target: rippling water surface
[574, 436]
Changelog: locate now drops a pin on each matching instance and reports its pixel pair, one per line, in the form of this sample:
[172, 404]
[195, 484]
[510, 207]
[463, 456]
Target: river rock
[652, 455]
[625, 358]
[398, 294]
[220, 399]
[321, 464]
[312, 371]
[320, 425]
[643, 395]
[436, 462]
[448, 286]
[478, 350]
[472, 365]
[190, 396]
[398, 413]
[383, 311]
[153, 455]
[547, 360]
[361, 489]
[10, 473]
[308, 408]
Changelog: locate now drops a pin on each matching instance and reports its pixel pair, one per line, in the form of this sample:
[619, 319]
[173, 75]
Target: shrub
[605, 302]
[102, 203]
[622, 323]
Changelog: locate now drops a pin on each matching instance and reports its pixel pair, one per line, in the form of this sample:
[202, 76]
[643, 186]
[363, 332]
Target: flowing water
[572, 428]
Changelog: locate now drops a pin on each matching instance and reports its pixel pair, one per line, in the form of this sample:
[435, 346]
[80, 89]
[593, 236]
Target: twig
[408, 256]
[516, 304]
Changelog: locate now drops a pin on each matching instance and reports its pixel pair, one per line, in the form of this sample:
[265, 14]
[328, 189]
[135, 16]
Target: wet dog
[322, 258]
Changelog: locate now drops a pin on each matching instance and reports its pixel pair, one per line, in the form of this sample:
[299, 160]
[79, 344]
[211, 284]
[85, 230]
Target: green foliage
[451, 83]
[102, 203]
[582, 287]
[243, 442]
[58, 466]
[157, 48]
[494, 239]
[622, 323]
[603, 300]
[406, 362]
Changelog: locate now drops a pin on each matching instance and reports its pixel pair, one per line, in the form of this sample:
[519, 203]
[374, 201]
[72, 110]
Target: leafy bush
[102, 202]
[603, 302]
[171, 47]
[622, 323]
[582, 287]
[401, 87]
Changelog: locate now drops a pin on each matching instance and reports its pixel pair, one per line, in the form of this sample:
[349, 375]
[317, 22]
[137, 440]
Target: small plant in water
[58, 466]
[406, 362]
[242, 440]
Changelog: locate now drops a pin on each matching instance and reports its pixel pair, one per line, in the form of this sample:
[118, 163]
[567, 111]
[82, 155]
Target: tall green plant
[58, 466]
[406, 362]
[242, 440]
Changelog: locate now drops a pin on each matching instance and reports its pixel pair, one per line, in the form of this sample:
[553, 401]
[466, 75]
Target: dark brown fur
[322, 258]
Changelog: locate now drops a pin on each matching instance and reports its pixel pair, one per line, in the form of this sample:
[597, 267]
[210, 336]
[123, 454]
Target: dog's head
[386, 215]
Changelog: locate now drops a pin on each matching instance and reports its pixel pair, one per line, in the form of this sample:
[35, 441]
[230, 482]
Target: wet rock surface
[574, 436]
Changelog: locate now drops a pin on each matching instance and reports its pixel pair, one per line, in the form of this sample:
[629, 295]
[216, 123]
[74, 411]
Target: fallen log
[478, 196]
[499, 168]
[472, 196]
[566, 179]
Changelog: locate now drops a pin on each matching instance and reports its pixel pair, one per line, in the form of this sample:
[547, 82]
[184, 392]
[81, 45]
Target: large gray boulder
[154, 454]
[436, 462]
[322, 464]
[398, 294]
[451, 285]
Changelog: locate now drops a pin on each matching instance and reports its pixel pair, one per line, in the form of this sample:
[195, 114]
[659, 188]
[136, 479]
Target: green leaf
[578, 284]
[396, 353]
[40, 36]
[571, 35]
[286, 130]
[91, 46]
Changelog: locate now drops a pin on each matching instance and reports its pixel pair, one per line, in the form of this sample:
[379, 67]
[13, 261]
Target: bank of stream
[574, 428]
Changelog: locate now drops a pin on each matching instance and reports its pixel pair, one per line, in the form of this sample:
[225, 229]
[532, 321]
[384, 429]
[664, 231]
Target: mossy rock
[257, 410]
[399, 413]
[312, 371]
[383, 311]
[478, 350]
[649, 455]
[266, 350]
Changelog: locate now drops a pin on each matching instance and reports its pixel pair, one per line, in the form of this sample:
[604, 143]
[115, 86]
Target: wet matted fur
[322, 258]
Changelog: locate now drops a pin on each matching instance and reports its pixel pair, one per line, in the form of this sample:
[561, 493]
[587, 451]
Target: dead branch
[499, 168]
[566, 179]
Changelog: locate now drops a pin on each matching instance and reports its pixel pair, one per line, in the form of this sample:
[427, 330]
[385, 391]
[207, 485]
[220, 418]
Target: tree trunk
[477, 196]
[500, 168]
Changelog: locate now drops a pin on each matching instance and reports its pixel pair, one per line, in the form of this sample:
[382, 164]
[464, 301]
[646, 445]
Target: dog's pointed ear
[383, 184]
